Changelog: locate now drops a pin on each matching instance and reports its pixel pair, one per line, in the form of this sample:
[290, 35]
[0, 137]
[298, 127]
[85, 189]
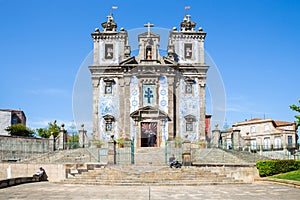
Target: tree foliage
[297, 109]
[46, 132]
[20, 130]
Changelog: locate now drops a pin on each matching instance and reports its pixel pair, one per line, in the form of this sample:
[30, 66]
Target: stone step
[154, 175]
[156, 182]
[149, 156]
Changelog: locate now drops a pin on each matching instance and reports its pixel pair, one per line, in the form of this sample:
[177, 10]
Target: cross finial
[148, 25]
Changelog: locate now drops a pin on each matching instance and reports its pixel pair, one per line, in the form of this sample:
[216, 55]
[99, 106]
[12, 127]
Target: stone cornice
[188, 35]
[109, 35]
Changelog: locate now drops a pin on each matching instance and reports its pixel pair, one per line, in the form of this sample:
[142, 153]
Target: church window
[108, 86]
[189, 126]
[188, 89]
[252, 129]
[188, 51]
[189, 123]
[108, 89]
[109, 51]
[108, 126]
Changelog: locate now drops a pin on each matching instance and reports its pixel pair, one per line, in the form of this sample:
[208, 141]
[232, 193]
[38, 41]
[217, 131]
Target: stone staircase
[149, 175]
[66, 156]
[246, 156]
[154, 156]
[214, 155]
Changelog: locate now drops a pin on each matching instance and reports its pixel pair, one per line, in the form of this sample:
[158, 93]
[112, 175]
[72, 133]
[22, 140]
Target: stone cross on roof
[148, 25]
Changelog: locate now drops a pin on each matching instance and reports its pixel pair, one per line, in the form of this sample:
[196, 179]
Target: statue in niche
[148, 53]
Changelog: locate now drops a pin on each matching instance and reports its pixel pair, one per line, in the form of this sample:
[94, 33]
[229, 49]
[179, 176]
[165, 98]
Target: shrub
[271, 167]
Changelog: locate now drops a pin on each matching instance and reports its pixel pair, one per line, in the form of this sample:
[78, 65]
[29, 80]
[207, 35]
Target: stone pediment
[130, 60]
[149, 112]
[152, 35]
[109, 118]
[190, 118]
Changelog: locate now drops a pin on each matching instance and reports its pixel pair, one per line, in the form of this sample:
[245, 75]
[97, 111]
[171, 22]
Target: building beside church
[149, 98]
[261, 134]
[9, 117]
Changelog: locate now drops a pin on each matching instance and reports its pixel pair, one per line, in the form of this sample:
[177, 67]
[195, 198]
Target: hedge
[272, 167]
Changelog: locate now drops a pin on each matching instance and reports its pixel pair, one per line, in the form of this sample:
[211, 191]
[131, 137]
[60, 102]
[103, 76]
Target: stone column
[62, 137]
[96, 91]
[186, 153]
[201, 125]
[52, 143]
[216, 134]
[82, 137]
[236, 143]
[111, 157]
[126, 100]
[171, 99]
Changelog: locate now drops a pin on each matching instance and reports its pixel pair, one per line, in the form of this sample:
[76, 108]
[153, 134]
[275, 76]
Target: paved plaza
[47, 190]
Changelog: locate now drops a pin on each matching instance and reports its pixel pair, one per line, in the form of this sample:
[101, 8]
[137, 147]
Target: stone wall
[55, 172]
[242, 172]
[13, 148]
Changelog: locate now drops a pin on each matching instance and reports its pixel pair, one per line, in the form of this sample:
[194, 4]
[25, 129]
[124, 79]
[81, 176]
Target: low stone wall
[245, 172]
[16, 181]
[55, 172]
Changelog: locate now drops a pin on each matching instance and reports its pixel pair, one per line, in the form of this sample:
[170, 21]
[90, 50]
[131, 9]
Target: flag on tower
[114, 7]
[187, 7]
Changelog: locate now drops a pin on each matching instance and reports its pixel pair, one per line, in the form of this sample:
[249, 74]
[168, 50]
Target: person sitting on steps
[40, 175]
[174, 163]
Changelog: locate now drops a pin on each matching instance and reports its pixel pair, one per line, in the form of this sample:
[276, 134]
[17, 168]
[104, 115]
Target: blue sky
[254, 43]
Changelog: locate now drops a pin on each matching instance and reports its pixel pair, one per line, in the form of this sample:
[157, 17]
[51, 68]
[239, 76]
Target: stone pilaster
[216, 135]
[236, 143]
[121, 119]
[96, 51]
[186, 153]
[126, 100]
[83, 140]
[202, 61]
[171, 104]
[96, 90]
[201, 125]
[111, 154]
[62, 138]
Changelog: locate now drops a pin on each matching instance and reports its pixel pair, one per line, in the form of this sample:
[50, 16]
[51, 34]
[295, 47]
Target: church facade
[149, 98]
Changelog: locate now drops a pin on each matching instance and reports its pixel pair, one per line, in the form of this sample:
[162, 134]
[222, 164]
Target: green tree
[20, 130]
[297, 109]
[73, 140]
[46, 132]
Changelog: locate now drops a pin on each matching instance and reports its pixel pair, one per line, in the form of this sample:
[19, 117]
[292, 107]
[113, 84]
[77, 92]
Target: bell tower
[110, 46]
[187, 44]
[148, 46]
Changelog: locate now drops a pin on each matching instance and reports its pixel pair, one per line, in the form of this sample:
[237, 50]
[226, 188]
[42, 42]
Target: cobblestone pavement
[46, 190]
